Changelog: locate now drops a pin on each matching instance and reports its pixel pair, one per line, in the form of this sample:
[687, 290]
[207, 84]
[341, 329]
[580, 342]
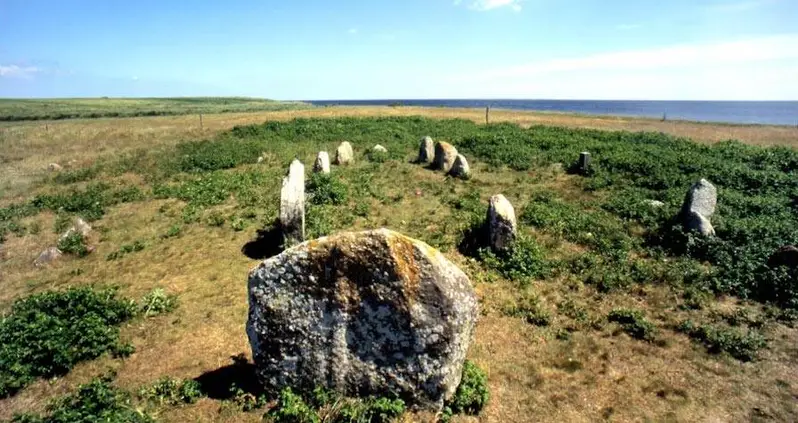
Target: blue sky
[358, 49]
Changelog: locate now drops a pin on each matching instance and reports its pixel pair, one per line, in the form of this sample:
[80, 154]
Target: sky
[401, 49]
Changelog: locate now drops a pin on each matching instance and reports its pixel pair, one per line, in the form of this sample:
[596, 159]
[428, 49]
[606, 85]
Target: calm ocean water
[761, 112]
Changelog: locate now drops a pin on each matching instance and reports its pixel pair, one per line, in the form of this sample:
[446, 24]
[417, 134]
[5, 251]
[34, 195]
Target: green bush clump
[169, 391]
[210, 155]
[634, 323]
[49, 333]
[96, 401]
[77, 175]
[377, 156]
[528, 308]
[326, 189]
[210, 189]
[90, 203]
[472, 394]
[172, 232]
[126, 249]
[291, 408]
[74, 243]
[740, 344]
[524, 261]
[158, 302]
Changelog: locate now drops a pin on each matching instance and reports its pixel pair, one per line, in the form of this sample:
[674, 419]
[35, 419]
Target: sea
[739, 112]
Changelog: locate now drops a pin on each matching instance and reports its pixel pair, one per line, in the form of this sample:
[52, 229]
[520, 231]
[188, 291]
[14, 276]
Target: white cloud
[485, 5]
[753, 69]
[16, 71]
[352, 31]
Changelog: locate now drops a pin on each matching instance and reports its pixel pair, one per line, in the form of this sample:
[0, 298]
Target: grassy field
[604, 310]
[77, 108]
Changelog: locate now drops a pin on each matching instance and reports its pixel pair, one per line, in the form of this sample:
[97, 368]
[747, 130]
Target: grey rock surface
[80, 226]
[426, 150]
[344, 154]
[502, 225]
[362, 313]
[54, 167]
[47, 256]
[379, 149]
[702, 197]
[445, 155]
[696, 222]
[460, 167]
[322, 164]
[292, 205]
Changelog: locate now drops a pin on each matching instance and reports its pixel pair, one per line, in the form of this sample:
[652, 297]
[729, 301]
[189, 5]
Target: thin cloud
[684, 55]
[486, 5]
[16, 71]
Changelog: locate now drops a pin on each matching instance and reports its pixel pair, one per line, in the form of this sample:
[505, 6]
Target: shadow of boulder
[267, 243]
[219, 384]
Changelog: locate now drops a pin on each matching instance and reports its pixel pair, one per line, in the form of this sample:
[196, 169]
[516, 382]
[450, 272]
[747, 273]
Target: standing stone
[47, 256]
[362, 313]
[785, 256]
[426, 150]
[379, 149]
[701, 198]
[54, 167]
[322, 163]
[344, 154]
[445, 155]
[80, 226]
[502, 226]
[460, 167]
[584, 162]
[292, 205]
[699, 205]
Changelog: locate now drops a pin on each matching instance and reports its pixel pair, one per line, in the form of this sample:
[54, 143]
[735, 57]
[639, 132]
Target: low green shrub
[326, 189]
[96, 401]
[523, 262]
[740, 344]
[126, 249]
[158, 302]
[634, 323]
[291, 408]
[74, 243]
[49, 333]
[172, 232]
[528, 308]
[472, 394]
[169, 391]
[76, 175]
[211, 155]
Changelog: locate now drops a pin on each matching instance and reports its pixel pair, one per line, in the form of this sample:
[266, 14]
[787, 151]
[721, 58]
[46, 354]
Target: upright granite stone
[445, 155]
[47, 256]
[292, 205]
[501, 224]
[379, 149]
[322, 164]
[362, 313]
[460, 167]
[344, 154]
[79, 226]
[698, 207]
[584, 162]
[426, 150]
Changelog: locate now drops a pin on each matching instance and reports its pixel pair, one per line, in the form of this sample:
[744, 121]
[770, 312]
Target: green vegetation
[291, 408]
[125, 250]
[96, 401]
[472, 393]
[169, 391]
[83, 108]
[528, 307]
[73, 243]
[634, 323]
[740, 344]
[47, 334]
[158, 302]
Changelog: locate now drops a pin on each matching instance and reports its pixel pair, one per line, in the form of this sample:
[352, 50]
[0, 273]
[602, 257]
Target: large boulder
[379, 149]
[292, 205]
[445, 155]
[702, 197]
[784, 256]
[698, 207]
[78, 226]
[362, 313]
[426, 150]
[47, 256]
[344, 154]
[501, 223]
[460, 167]
[322, 164]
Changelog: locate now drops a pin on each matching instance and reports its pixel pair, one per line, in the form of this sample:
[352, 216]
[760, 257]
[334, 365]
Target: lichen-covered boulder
[344, 154]
[322, 164]
[701, 198]
[379, 149]
[501, 223]
[79, 226]
[47, 256]
[698, 207]
[445, 155]
[426, 150]
[292, 205]
[362, 313]
[460, 167]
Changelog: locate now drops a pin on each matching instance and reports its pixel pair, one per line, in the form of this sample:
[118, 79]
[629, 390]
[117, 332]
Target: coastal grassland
[85, 108]
[605, 309]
